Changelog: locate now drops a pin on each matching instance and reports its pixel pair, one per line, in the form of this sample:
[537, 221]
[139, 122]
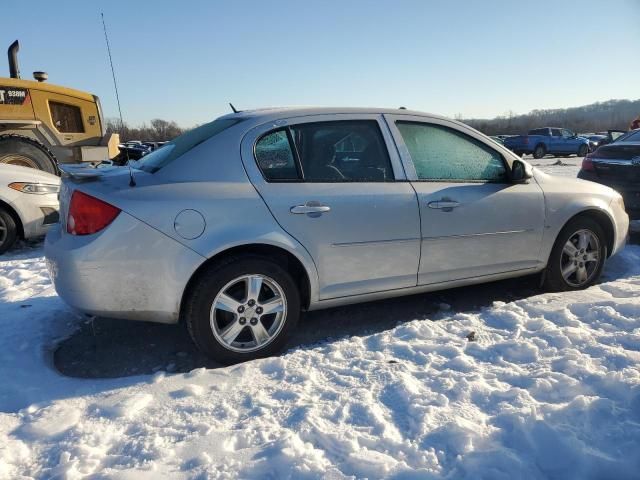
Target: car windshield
[161, 157]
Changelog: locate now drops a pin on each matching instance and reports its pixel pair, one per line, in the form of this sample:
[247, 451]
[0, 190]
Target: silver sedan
[238, 225]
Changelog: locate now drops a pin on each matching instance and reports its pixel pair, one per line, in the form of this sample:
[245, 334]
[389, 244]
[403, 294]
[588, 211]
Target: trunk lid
[620, 163]
[109, 184]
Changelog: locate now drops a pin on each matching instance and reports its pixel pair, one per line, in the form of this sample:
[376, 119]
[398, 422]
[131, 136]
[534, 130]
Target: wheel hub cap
[580, 258]
[248, 313]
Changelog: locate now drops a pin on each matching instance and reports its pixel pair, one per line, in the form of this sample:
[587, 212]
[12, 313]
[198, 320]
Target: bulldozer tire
[26, 152]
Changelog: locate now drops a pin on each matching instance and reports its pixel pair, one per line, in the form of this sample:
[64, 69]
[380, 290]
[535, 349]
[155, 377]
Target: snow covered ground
[549, 388]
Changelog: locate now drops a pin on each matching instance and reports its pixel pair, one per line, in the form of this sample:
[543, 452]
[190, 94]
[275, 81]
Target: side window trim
[252, 135]
[407, 161]
[296, 159]
[296, 154]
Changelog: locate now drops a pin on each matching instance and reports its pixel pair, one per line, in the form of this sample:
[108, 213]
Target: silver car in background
[238, 225]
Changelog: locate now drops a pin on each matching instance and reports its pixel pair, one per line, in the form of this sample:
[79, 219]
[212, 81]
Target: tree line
[158, 130]
[597, 117]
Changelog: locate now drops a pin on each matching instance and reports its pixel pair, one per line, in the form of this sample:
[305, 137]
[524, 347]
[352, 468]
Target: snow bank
[549, 388]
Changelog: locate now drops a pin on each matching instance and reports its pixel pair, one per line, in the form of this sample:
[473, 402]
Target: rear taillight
[89, 215]
[525, 140]
[587, 163]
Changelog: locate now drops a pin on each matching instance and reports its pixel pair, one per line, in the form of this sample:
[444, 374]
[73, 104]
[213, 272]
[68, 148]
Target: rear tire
[539, 152]
[26, 152]
[222, 307]
[566, 261]
[8, 231]
[583, 150]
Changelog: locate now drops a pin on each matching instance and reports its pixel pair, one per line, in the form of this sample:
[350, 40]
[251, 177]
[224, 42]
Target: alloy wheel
[248, 313]
[580, 258]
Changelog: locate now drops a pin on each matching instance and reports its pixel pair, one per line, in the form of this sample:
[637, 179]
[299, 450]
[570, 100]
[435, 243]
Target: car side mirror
[521, 172]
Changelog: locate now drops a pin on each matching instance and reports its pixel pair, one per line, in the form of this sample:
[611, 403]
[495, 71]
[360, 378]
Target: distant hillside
[597, 117]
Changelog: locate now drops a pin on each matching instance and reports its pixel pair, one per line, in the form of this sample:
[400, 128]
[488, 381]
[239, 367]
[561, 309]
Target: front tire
[8, 231]
[577, 257]
[539, 152]
[583, 150]
[242, 309]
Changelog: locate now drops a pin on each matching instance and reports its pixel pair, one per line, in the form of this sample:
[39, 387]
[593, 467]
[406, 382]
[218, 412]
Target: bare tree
[159, 131]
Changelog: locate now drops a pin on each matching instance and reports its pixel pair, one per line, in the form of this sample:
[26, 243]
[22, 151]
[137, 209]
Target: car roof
[274, 113]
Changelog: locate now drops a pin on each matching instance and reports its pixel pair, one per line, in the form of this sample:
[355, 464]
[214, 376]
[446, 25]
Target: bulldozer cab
[42, 124]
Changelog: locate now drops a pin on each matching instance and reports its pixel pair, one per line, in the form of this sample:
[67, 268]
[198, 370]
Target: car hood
[15, 173]
[567, 185]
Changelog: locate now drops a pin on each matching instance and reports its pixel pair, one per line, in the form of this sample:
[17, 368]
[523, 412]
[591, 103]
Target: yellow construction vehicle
[42, 124]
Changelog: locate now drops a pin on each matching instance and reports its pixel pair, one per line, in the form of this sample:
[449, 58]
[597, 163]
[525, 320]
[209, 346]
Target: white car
[28, 203]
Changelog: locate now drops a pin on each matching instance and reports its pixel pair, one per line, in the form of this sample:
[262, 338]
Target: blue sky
[185, 60]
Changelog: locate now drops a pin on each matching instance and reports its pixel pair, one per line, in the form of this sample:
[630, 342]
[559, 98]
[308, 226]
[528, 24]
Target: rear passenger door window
[442, 154]
[325, 152]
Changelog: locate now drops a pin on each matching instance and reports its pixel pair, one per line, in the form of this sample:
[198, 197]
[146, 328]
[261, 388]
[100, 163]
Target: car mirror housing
[521, 172]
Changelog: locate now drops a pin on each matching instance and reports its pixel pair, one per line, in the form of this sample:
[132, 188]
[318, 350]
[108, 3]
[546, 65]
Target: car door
[333, 183]
[475, 222]
[571, 141]
[556, 142]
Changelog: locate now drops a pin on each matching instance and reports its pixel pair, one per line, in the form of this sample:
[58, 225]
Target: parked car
[498, 139]
[153, 145]
[595, 140]
[602, 138]
[28, 203]
[617, 165]
[542, 141]
[237, 225]
[131, 151]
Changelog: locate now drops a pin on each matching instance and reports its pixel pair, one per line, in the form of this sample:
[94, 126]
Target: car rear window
[633, 136]
[180, 145]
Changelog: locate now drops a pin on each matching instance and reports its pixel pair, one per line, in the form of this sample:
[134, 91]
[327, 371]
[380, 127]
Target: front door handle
[444, 205]
[310, 207]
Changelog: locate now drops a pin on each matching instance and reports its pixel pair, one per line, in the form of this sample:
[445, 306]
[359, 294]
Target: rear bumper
[630, 192]
[129, 271]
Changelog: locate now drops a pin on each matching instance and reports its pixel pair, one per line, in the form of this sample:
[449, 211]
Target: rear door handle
[444, 205]
[310, 207]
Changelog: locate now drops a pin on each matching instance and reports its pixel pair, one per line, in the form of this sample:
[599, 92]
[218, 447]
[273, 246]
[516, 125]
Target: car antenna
[132, 181]
[233, 108]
